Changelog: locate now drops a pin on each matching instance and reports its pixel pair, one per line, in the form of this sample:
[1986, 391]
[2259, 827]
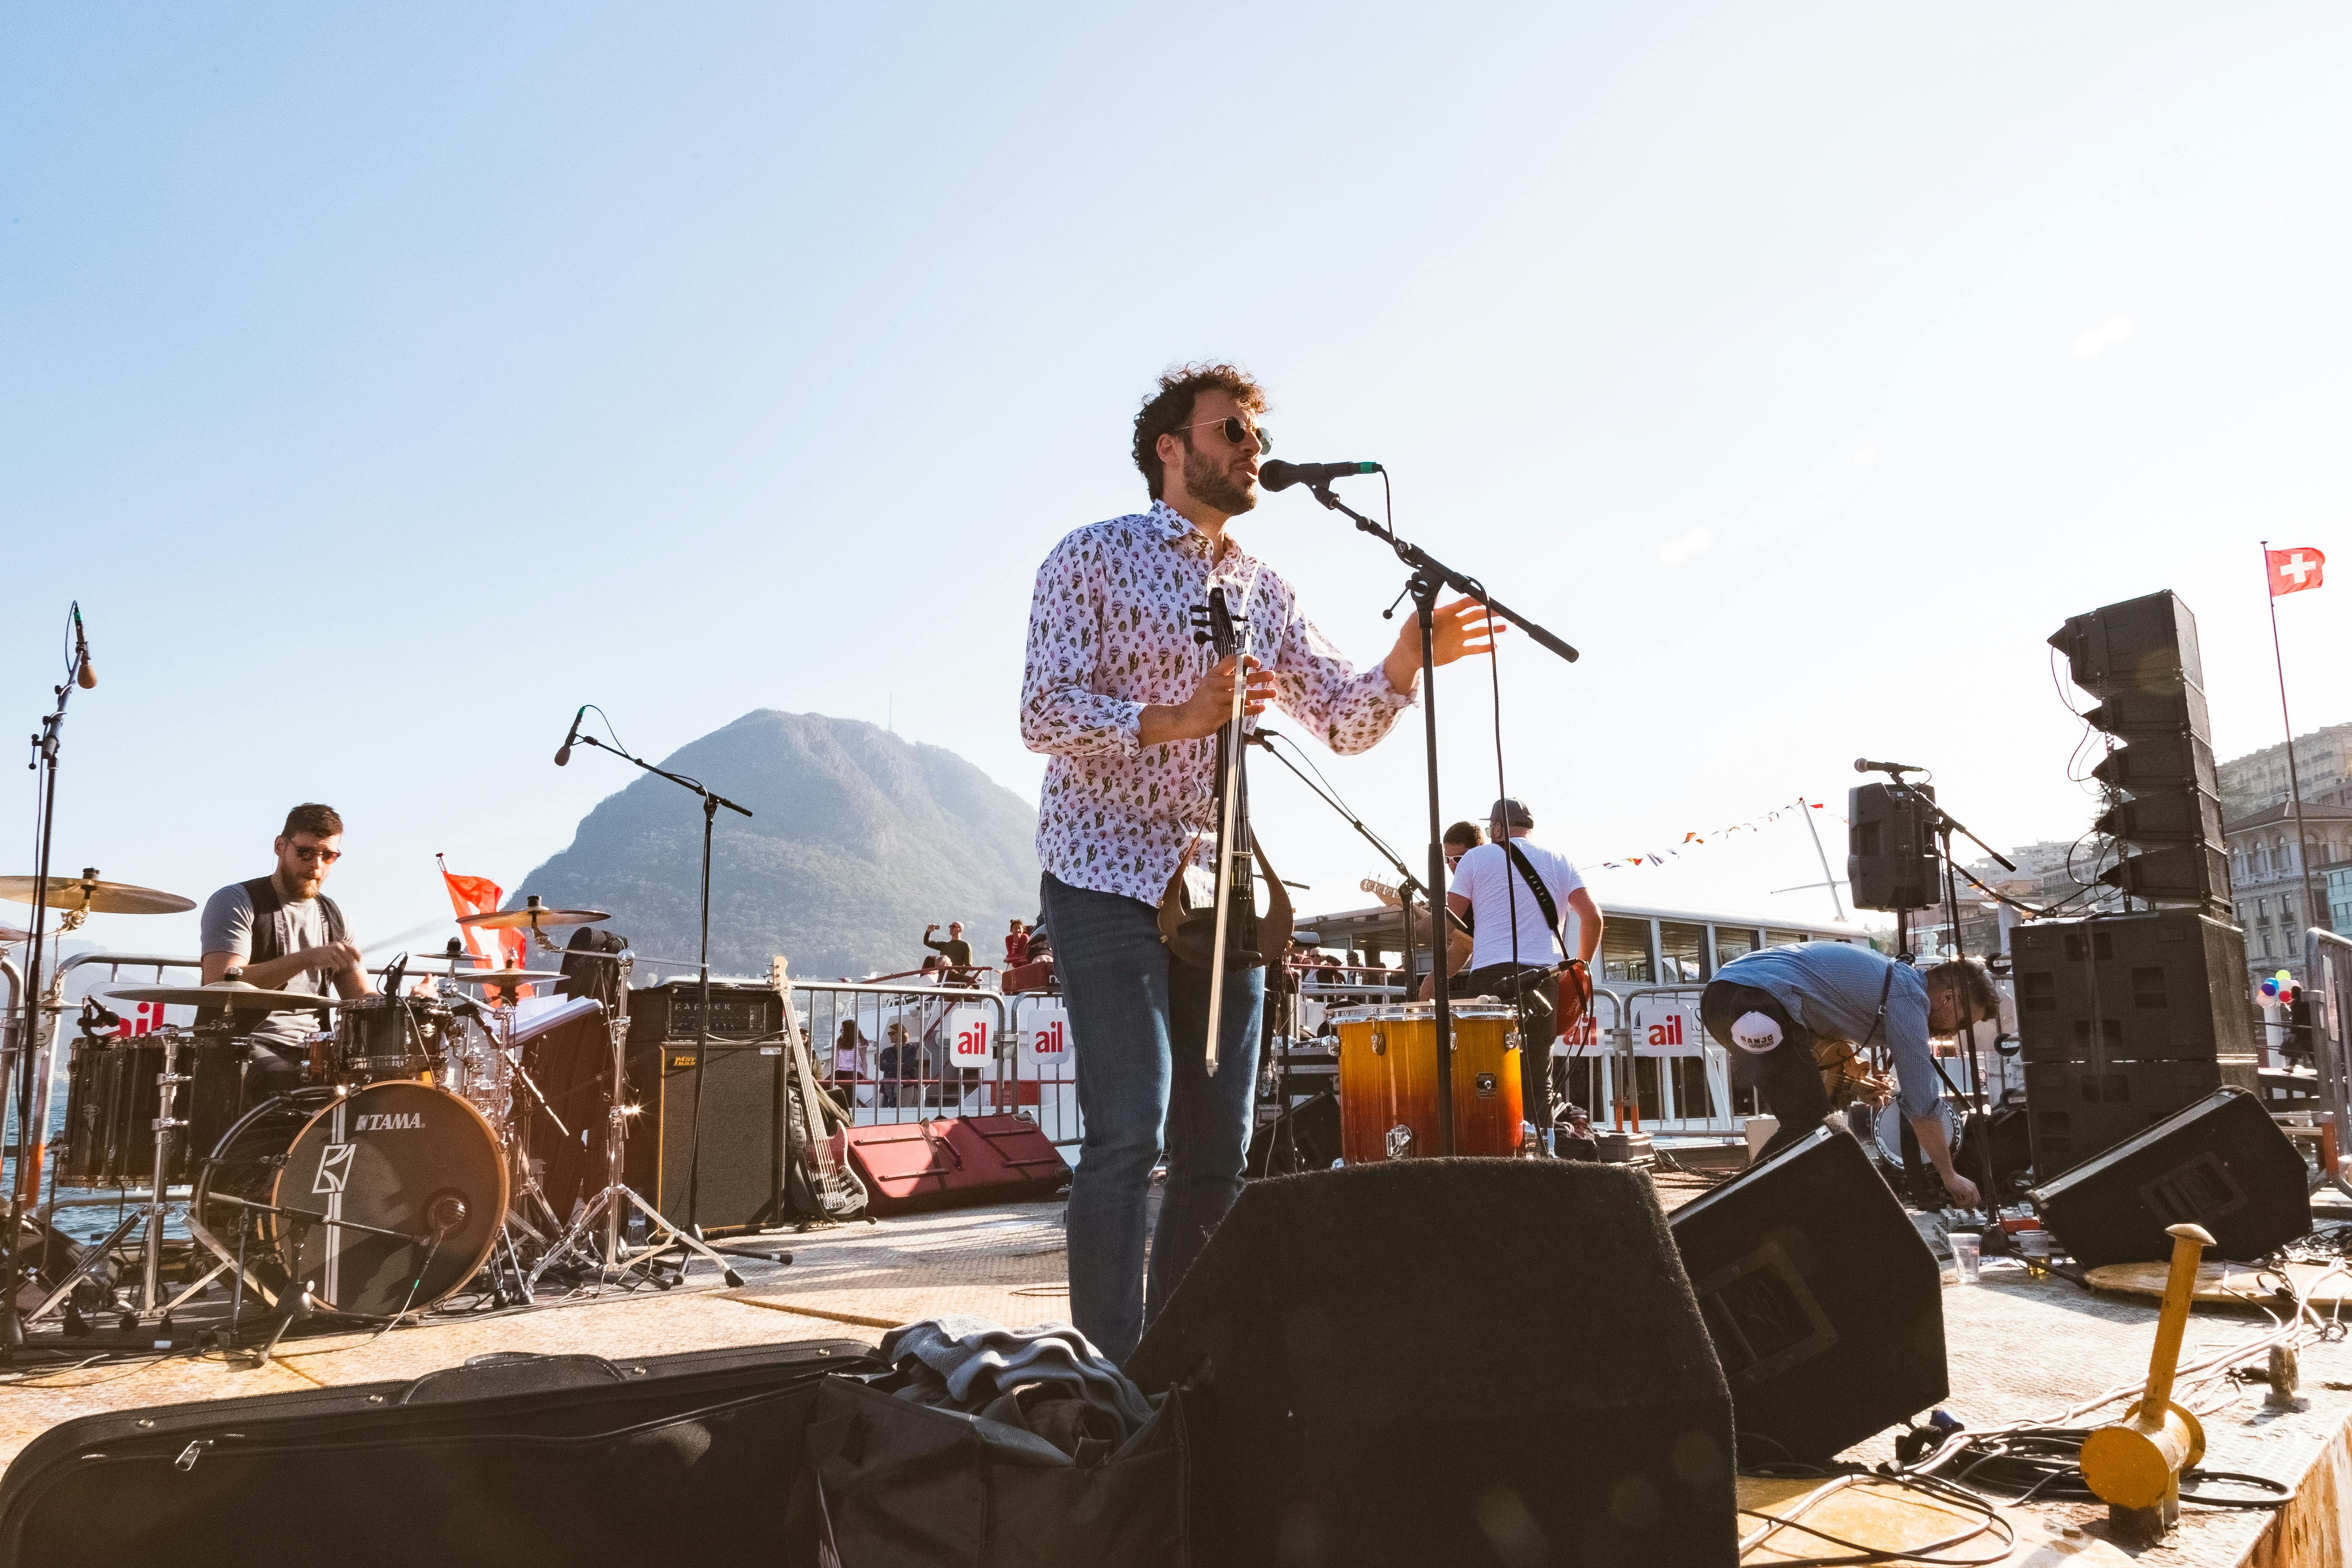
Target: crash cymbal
[86, 891]
[504, 977]
[533, 913]
[235, 994]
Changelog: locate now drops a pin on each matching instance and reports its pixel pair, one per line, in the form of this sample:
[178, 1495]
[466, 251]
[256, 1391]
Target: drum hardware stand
[608, 1205]
[1429, 576]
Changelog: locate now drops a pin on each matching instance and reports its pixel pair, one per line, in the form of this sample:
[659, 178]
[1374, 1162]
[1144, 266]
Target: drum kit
[382, 1173]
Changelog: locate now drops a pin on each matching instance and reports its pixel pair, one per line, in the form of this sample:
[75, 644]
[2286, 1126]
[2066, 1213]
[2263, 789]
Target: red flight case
[954, 1162]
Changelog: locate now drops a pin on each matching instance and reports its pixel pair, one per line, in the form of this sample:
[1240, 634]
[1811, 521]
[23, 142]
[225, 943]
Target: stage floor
[2021, 1349]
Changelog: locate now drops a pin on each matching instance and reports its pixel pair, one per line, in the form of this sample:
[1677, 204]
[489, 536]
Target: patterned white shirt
[1110, 632]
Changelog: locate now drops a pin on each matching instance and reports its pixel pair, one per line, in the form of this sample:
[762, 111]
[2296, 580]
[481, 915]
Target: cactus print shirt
[1110, 631]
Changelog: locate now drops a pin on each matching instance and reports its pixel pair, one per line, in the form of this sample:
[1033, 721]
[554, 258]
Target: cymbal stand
[613, 1202]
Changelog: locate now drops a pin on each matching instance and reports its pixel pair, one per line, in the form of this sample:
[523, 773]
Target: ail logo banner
[1046, 1038]
[1669, 1027]
[971, 1032]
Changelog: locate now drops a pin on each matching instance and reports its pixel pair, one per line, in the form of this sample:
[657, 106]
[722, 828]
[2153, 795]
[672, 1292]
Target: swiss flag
[2292, 571]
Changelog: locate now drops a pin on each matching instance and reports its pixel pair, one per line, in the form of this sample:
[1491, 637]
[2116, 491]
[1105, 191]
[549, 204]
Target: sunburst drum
[1388, 1081]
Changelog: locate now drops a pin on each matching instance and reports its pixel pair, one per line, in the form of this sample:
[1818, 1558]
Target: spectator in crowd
[897, 1062]
[849, 1054]
[1016, 944]
[955, 950]
[934, 971]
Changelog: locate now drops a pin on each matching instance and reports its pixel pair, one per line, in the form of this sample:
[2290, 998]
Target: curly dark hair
[1169, 410]
[320, 821]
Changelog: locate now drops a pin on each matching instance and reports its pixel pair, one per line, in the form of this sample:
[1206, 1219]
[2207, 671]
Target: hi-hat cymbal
[504, 977]
[87, 892]
[533, 914]
[235, 994]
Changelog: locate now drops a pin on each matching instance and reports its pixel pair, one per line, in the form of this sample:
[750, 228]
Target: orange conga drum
[1388, 1081]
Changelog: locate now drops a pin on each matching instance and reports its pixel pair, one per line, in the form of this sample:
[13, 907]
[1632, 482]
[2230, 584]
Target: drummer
[281, 933]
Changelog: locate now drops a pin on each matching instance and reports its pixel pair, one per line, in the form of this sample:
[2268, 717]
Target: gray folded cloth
[965, 1363]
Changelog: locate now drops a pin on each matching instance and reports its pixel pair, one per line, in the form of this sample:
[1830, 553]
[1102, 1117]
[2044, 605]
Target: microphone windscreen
[1276, 474]
[88, 677]
[563, 755]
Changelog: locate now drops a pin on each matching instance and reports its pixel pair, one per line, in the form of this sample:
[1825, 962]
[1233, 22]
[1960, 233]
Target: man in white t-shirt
[1495, 886]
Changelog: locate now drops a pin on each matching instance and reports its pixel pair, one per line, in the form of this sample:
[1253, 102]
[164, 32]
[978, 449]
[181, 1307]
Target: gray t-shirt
[228, 927]
[1832, 988]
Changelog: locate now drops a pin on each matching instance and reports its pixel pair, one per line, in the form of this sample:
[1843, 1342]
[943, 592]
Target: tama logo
[391, 1121]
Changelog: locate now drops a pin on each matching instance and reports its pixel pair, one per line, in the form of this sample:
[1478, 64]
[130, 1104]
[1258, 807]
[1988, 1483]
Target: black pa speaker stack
[1449, 1361]
[2126, 1018]
[1826, 1307]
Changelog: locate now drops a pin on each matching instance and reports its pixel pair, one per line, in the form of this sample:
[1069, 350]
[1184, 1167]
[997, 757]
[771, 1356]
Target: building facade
[2276, 903]
[2322, 764]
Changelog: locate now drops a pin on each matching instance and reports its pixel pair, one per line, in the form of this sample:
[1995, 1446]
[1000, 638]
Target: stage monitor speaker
[1890, 861]
[743, 1136]
[2221, 1163]
[1826, 1307]
[1450, 1361]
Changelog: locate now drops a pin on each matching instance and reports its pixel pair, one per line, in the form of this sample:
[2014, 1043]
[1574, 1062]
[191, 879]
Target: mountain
[857, 839]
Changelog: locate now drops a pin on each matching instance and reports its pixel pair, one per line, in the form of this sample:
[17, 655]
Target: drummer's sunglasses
[1237, 432]
[318, 852]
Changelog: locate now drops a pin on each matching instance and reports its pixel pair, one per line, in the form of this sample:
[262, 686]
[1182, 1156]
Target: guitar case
[510, 1459]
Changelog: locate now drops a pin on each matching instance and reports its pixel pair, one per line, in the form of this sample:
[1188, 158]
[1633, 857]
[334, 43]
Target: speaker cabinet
[1890, 860]
[2122, 1020]
[2221, 1163]
[742, 1134]
[1450, 1361]
[1826, 1307]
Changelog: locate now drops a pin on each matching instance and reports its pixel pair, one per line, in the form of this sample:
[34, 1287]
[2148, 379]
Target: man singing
[280, 933]
[1125, 702]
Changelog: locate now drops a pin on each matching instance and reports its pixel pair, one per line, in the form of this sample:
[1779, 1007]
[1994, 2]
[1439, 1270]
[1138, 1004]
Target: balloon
[2270, 989]
[2285, 977]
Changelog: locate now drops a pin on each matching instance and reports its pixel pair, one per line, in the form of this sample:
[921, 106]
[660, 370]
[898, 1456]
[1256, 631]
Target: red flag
[2292, 571]
[480, 895]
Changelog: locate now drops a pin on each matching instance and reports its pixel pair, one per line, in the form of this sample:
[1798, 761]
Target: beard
[1208, 483]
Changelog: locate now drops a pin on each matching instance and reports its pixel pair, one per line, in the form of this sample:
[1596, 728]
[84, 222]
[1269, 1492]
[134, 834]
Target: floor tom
[113, 1097]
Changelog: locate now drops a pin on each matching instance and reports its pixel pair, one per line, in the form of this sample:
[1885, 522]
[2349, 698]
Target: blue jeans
[1138, 1026]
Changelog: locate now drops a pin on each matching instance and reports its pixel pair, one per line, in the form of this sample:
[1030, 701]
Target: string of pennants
[1694, 838]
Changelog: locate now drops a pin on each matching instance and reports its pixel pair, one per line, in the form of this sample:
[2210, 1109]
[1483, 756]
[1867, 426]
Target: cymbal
[234, 993]
[504, 977]
[531, 915]
[98, 898]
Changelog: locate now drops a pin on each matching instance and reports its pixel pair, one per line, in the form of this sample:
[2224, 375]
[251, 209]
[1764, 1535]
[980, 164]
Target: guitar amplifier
[673, 1010]
[742, 1134]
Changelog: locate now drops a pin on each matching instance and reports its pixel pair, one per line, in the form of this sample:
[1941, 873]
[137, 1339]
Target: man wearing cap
[1781, 1011]
[1515, 894]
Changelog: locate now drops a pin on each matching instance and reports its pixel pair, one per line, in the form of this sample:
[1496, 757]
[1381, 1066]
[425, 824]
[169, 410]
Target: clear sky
[387, 380]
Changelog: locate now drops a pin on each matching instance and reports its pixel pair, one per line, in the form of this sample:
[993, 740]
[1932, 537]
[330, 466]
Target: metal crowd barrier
[911, 1052]
[2328, 973]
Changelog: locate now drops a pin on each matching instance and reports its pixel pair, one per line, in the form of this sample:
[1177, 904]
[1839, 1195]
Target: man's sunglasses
[1237, 432]
[318, 852]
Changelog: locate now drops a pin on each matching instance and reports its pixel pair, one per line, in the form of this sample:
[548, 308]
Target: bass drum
[1889, 1128]
[403, 1158]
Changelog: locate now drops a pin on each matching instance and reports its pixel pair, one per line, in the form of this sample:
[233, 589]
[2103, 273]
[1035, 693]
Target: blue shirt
[1832, 988]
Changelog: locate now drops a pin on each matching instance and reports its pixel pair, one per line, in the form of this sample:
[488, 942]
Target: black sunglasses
[1237, 432]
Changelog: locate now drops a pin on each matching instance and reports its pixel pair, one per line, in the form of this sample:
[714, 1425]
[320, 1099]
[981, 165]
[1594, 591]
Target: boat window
[1731, 941]
[1625, 950]
[1785, 938]
[1682, 949]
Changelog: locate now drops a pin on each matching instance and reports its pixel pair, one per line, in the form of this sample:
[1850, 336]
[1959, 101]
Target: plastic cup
[1965, 1244]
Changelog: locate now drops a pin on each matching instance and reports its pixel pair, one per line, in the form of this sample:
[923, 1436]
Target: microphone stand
[29, 1054]
[711, 802]
[1429, 576]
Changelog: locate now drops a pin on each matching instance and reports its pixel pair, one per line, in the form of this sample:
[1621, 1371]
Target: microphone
[1864, 765]
[87, 678]
[1276, 474]
[563, 753]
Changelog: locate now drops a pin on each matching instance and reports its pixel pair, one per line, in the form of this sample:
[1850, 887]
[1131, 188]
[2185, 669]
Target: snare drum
[1889, 1129]
[380, 1039]
[1388, 1081]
